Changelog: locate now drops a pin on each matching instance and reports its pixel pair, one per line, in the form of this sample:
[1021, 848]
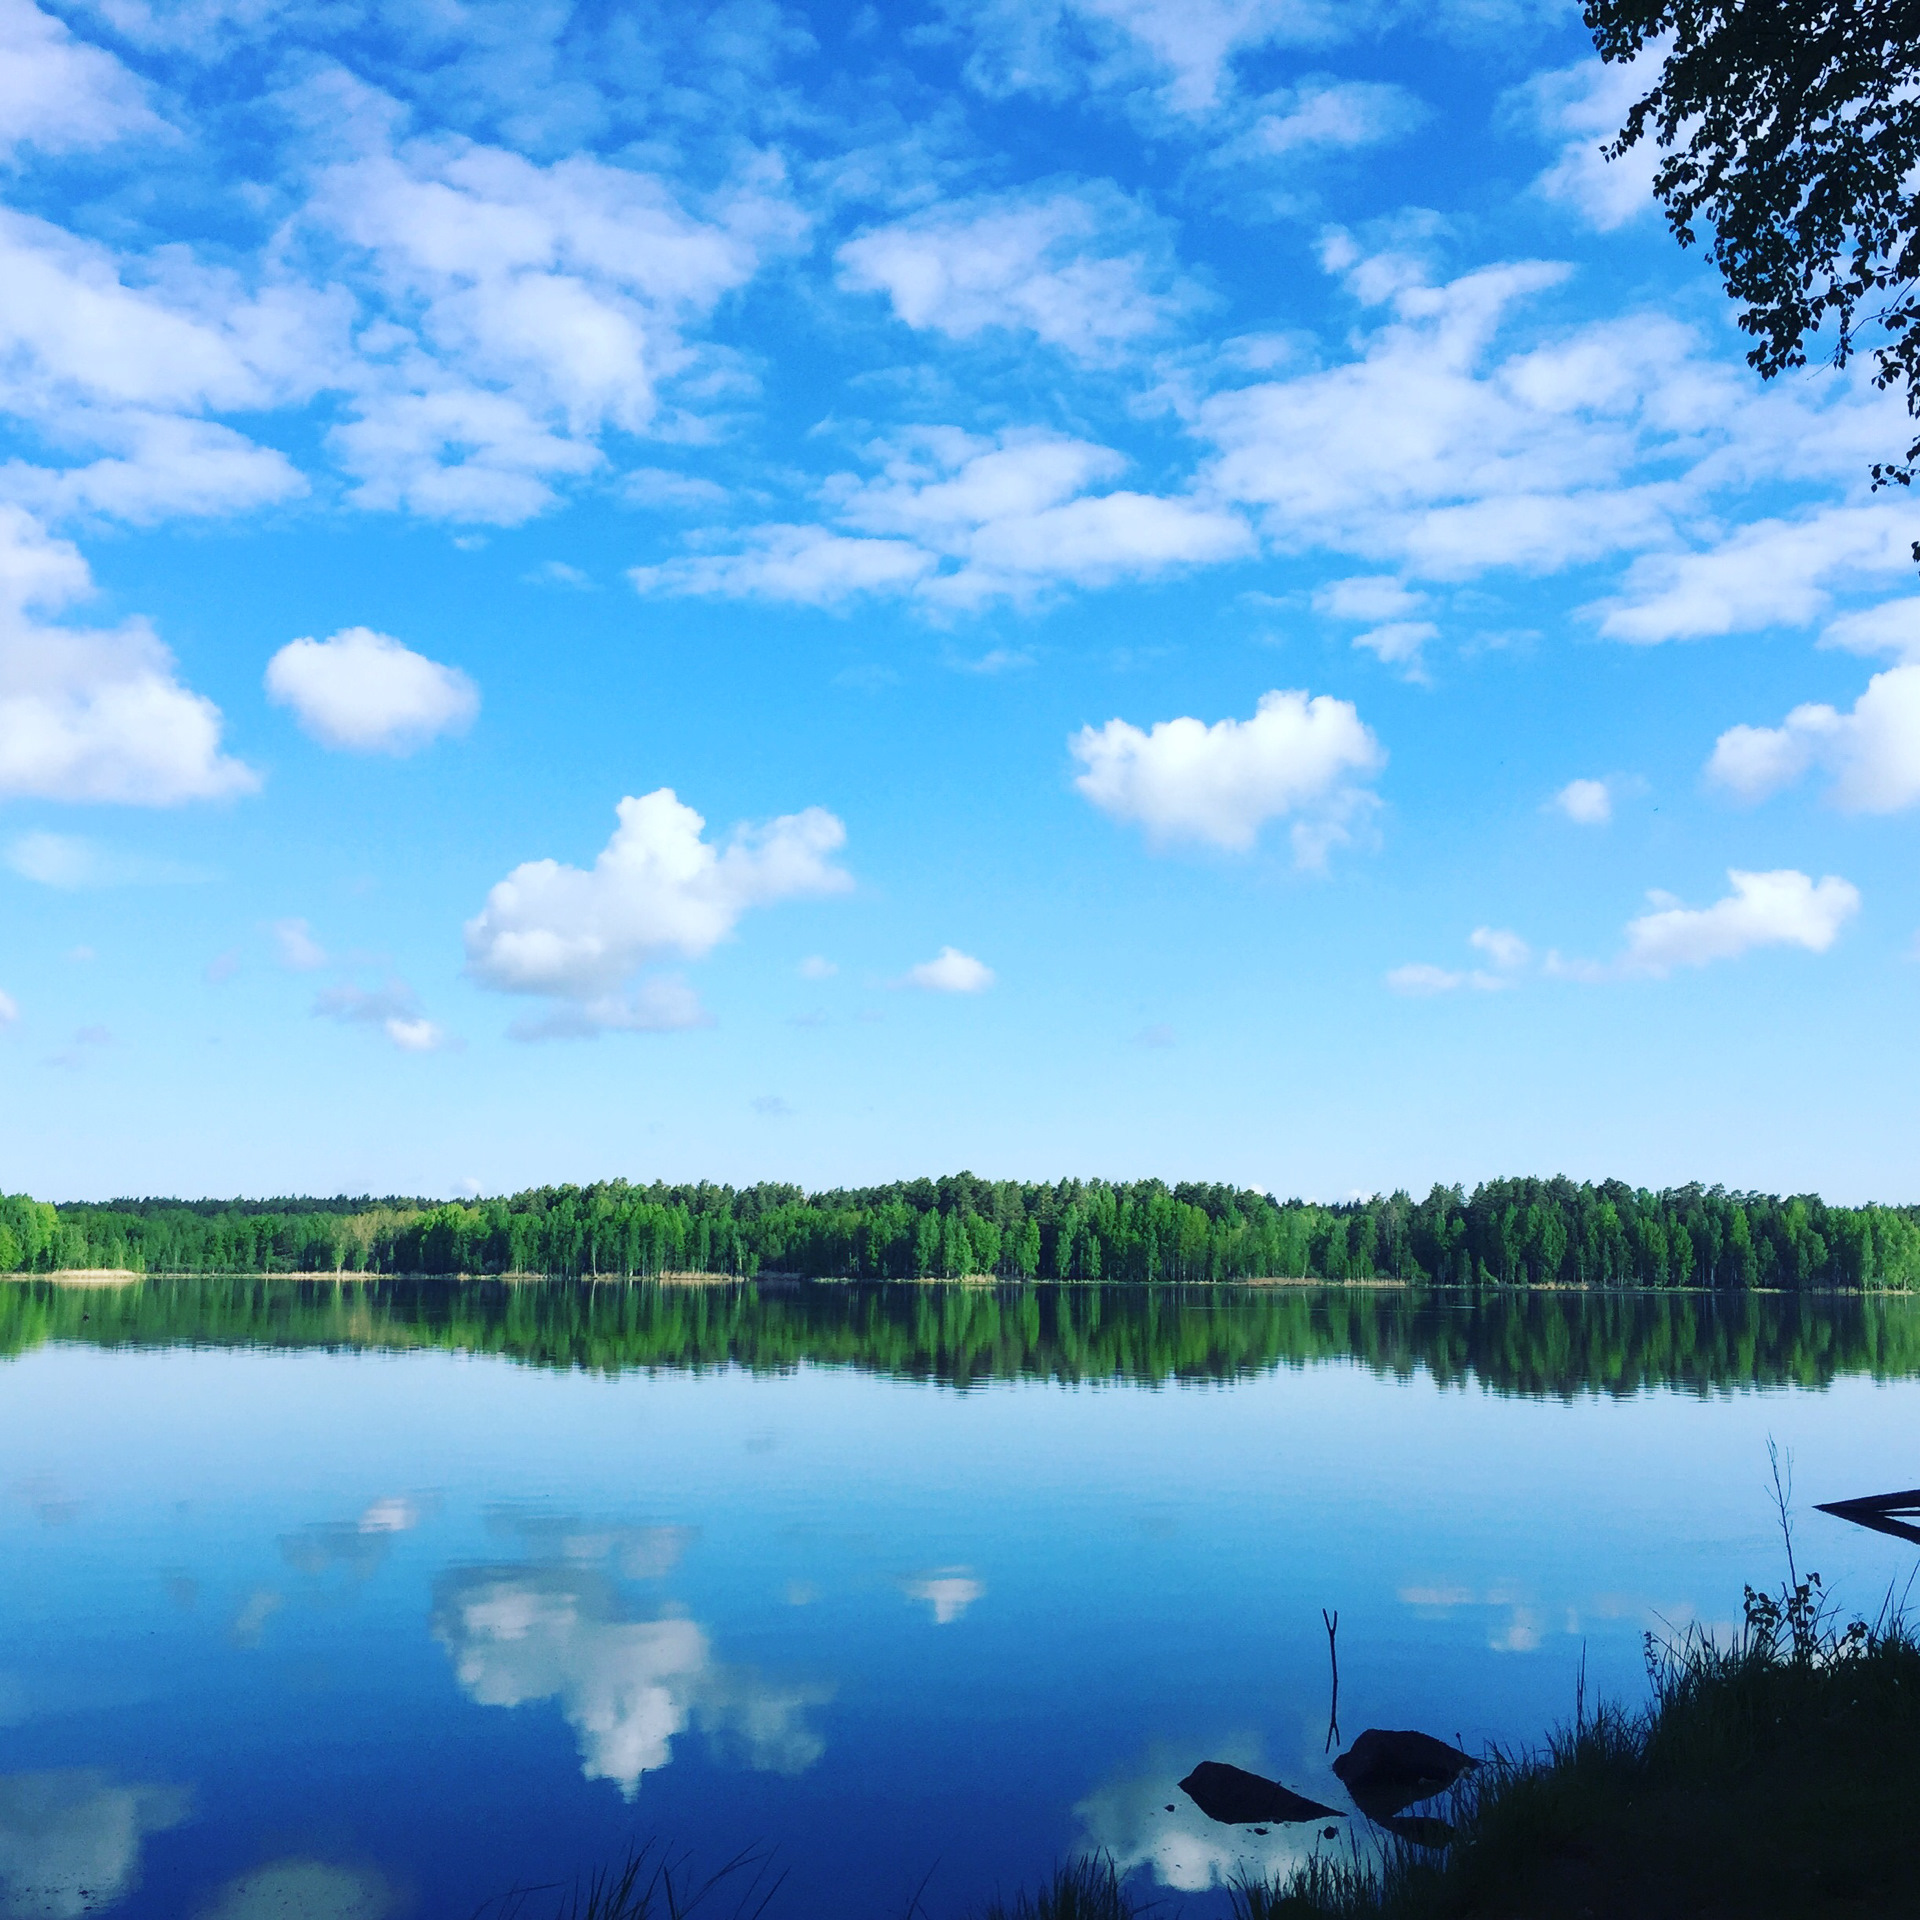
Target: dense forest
[1508, 1341]
[1505, 1233]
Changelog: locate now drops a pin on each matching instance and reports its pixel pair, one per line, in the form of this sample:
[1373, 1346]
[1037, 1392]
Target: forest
[1521, 1232]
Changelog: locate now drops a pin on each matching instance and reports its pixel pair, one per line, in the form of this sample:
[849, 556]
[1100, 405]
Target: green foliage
[1793, 128]
[1507, 1233]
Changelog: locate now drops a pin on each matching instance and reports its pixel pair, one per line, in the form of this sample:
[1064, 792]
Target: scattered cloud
[59, 94]
[817, 967]
[1891, 627]
[9, 1010]
[578, 936]
[770, 1106]
[363, 692]
[1506, 954]
[1588, 803]
[558, 573]
[955, 520]
[1871, 754]
[1220, 784]
[950, 971]
[1323, 115]
[94, 714]
[1779, 909]
[221, 968]
[70, 1841]
[1082, 269]
[1584, 106]
[296, 948]
[71, 862]
[393, 1008]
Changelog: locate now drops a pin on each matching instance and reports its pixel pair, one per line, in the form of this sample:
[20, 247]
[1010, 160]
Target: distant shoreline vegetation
[1505, 1233]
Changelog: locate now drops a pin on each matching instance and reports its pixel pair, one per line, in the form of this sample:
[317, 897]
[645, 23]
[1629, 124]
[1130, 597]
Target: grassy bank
[1779, 1775]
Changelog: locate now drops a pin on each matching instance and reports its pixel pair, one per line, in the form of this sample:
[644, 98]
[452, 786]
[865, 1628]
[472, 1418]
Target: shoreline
[128, 1276]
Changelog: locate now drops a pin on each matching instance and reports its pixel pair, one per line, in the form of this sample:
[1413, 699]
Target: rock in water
[1237, 1798]
[1387, 1771]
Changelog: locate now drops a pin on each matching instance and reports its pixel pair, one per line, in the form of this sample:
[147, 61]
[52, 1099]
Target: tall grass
[1776, 1773]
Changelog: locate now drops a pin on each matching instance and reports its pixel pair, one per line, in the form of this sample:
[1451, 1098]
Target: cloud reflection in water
[628, 1687]
[70, 1841]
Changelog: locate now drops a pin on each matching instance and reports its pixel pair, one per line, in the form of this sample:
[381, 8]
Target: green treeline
[1512, 1342]
[1507, 1232]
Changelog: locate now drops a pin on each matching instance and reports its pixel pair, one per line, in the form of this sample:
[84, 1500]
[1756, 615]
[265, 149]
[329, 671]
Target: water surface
[381, 1599]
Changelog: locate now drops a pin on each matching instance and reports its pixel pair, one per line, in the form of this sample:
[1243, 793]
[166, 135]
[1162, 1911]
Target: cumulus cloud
[951, 971]
[1779, 909]
[394, 1009]
[1588, 803]
[1504, 951]
[1326, 115]
[629, 1687]
[1768, 573]
[1220, 784]
[94, 714]
[1891, 627]
[957, 519]
[70, 1841]
[364, 692]
[1584, 107]
[1871, 754]
[1081, 269]
[59, 94]
[658, 888]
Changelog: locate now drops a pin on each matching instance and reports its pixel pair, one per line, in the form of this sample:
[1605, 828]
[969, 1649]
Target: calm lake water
[382, 1600]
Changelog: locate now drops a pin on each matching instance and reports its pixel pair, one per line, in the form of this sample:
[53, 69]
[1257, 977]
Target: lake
[387, 1598]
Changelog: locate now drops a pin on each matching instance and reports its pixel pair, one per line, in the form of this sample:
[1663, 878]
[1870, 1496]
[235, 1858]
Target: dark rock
[1386, 1772]
[1237, 1798]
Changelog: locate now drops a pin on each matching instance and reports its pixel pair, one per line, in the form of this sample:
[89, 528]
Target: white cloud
[1504, 951]
[9, 1010]
[94, 714]
[1369, 597]
[299, 951]
[1783, 908]
[364, 692]
[70, 861]
[817, 967]
[1398, 644]
[1891, 627]
[60, 94]
[1769, 573]
[1871, 753]
[627, 1687]
[948, 1592]
[1585, 106]
[1080, 269]
[1325, 115]
[1219, 784]
[70, 1841]
[1442, 448]
[957, 519]
[657, 888]
[393, 1008]
[1588, 803]
[529, 308]
[951, 971]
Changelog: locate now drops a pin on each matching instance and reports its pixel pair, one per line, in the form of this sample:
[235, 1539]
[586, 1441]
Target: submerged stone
[1237, 1798]
[1386, 1771]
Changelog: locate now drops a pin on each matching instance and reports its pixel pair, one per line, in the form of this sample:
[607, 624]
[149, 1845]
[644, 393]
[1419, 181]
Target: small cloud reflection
[302, 1890]
[1142, 1820]
[358, 1546]
[70, 1841]
[949, 1591]
[250, 1623]
[635, 1552]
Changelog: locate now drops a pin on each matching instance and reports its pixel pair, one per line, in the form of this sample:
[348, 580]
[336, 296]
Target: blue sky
[1110, 587]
